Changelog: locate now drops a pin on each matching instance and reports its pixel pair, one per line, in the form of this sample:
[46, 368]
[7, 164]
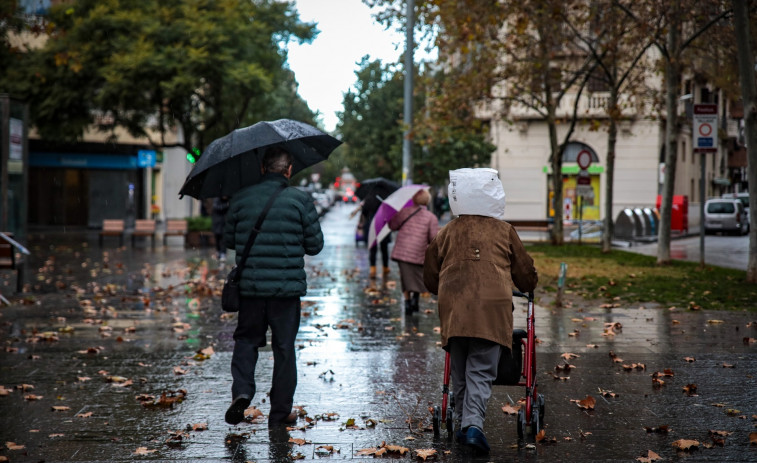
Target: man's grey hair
[277, 159]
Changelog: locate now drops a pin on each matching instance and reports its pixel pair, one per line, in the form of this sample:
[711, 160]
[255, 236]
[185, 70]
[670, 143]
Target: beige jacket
[473, 264]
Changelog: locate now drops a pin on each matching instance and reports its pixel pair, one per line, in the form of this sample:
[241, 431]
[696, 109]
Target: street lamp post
[407, 156]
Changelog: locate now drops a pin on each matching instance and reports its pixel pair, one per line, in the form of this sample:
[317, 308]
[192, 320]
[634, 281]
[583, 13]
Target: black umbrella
[233, 161]
[378, 186]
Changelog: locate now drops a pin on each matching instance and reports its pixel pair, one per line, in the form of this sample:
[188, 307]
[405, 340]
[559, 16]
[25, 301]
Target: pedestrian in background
[415, 227]
[218, 221]
[473, 264]
[272, 283]
[368, 210]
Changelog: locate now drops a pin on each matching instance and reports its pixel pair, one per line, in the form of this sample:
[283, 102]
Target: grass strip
[623, 278]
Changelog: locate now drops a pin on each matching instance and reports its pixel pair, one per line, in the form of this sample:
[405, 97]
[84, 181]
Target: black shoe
[235, 413]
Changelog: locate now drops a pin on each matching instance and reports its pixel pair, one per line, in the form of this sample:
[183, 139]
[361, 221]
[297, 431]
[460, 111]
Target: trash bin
[679, 214]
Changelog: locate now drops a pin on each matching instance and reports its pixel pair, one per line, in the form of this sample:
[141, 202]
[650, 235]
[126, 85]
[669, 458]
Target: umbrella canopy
[378, 186]
[403, 197]
[233, 161]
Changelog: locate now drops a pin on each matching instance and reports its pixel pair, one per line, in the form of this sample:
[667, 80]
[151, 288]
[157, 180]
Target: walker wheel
[450, 430]
[521, 423]
[540, 404]
[436, 420]
[536, 424]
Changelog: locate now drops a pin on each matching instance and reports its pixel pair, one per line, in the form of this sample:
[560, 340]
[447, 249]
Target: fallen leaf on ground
[569, 356]
[60, 408]
[84, 415]
[4, 391]
[651, 456]
[510, 410]
[690, 389]
[587, 403]
[200, 427]
[686, 444]
[298, 441]
[144, 451]
[689, 359]
[14, 446]
[753, 438]
[32, 397]
[425, 453]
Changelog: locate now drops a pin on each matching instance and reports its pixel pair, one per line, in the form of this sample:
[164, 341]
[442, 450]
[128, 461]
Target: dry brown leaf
[200, 427]
[541, 435]
[587, 403]
[510, 410]
[686, 444]
[651, 456]
[84, 415]
[14, 446]
[425, 453]
[298, 441]
[60, 408]
[689, 359]
[569, 356]
[4, 391]
[252, 413]
[753, 438]
[144, 451]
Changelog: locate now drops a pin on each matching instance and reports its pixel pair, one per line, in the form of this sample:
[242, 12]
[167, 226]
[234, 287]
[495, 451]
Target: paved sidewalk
[106, 331]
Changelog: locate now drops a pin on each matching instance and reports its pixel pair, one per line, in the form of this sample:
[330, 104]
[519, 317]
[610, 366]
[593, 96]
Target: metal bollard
[561, 283]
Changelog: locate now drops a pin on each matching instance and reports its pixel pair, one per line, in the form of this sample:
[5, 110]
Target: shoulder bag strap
[408, 217]
[256, 230]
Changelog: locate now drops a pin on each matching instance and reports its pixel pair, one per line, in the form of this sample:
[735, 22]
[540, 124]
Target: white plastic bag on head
[476, 192]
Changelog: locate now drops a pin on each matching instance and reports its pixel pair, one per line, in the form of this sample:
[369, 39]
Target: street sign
[705, 129]
[583, 158]
[146, 158]
[583, 178]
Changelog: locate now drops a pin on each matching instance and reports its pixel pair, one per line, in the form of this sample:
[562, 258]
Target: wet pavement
[107, 358]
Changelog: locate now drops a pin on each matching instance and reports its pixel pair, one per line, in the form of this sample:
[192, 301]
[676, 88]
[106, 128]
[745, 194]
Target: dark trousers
[384, 244]
[255, 316]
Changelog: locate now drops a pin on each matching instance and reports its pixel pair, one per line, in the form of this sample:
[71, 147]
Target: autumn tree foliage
[148, 66]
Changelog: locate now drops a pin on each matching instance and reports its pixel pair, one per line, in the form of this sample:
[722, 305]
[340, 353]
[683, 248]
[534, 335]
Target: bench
[143, 227]
[112, 227]
[175, 227]
[8, 261]
[544, 225]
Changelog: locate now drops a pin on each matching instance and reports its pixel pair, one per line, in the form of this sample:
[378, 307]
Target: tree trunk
[612, 139]
[557, 230]
[749, 95]
[672, 76]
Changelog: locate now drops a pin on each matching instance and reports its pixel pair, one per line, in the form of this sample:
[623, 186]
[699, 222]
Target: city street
[123, 354]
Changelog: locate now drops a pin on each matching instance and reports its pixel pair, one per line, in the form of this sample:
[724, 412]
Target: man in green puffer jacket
[272, 282]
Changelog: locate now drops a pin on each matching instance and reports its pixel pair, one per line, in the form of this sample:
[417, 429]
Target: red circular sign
[583, 158]
[705, 129]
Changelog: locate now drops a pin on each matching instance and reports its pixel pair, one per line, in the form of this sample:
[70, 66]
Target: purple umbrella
[389, 207]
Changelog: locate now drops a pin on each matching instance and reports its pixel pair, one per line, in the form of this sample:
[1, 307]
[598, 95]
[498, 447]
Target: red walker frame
[530, 418]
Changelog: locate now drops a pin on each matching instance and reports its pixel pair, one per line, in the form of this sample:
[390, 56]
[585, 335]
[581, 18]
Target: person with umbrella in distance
[272, 282]
[372, 192]
[416, 226]
[473, 264]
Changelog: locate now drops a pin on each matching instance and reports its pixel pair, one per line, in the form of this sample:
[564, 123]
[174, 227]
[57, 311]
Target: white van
[725, 215]
[743, 197]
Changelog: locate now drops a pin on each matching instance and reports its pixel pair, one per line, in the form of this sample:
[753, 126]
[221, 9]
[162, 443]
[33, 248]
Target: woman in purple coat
[416, 226]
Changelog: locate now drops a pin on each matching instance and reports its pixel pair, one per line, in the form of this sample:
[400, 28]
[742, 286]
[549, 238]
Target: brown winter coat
[473, 264]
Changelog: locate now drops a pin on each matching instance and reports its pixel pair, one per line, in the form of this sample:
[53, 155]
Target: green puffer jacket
[276, 265]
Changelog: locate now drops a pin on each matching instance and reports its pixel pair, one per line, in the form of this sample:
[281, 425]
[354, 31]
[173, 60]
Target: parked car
[725, 215]
[743, 197]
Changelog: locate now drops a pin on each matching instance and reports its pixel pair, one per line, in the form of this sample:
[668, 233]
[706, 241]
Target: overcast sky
[326, 68]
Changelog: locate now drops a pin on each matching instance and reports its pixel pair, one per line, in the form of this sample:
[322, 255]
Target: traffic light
[194, 155]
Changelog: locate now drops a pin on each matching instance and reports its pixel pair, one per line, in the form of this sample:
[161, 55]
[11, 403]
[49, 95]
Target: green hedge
[199, 223]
